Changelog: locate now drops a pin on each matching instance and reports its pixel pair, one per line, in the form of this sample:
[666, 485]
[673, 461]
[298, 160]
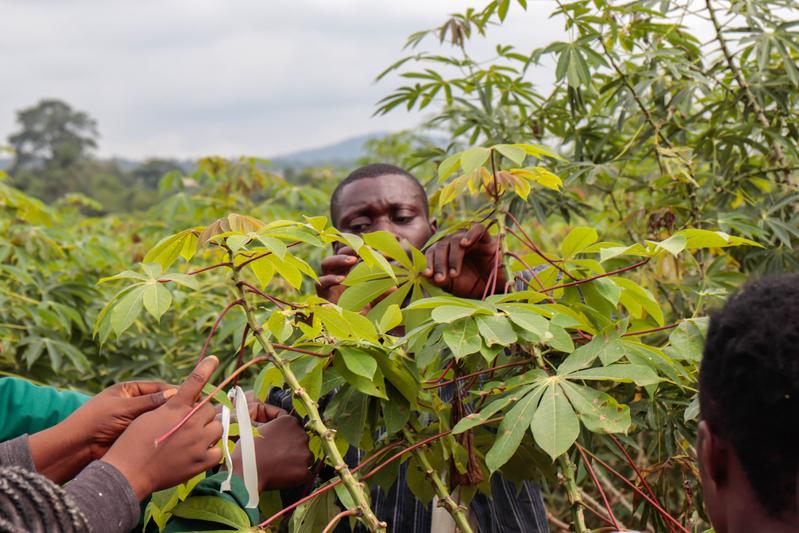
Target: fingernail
[452, 271]
[169, 393]
[339, 278]
[439, 277]
[351, 259]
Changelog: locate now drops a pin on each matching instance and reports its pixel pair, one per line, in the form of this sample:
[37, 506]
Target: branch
[315, 423]
[598, 276]
[615, 523]
[299, 350]
[651, 501]
[277, 301]
[207, 399]
[779, 155]
[336, 519]
[435, 384]
[533, 246]
[241, 351]
[230, 306]
[199, 271]
[567, 468]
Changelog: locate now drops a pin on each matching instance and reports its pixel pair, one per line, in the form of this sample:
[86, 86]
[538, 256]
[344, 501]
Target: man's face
[389, 203]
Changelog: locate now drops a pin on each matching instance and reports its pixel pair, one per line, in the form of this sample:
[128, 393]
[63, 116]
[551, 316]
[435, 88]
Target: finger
[338, 264]
[206, 414]
[262, 412]
[193, 386]
[325, 282]
[475, 234]
[441, 277]
[428, 255]
[213, 432]
[212, 457]
[141, 404]
[140, 388]
[455, 260]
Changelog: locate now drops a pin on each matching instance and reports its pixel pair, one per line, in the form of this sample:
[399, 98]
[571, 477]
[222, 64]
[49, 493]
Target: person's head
[382, 197]
[749, 386]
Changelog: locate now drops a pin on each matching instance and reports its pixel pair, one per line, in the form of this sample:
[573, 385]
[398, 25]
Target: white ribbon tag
[247, 442]
[225, 486]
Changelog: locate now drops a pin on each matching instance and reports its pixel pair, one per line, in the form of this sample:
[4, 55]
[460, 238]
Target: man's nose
[382, 224]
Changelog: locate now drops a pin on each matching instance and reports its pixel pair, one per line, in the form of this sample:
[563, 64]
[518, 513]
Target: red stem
[444, 373]
[240, 358]
[638, 491]
[298, 350]
[259, 256]
[205, 400]
[534, 247]
[336, 519]
[648, 331]
[532, 273]
[367, 476]
[598, 276]
[216, 325]
[632, 464]
[598, 485]
[274, 300]
[436, 384]
[205, 269]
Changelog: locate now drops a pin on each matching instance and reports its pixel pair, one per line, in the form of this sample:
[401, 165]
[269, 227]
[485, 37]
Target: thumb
[142, 404]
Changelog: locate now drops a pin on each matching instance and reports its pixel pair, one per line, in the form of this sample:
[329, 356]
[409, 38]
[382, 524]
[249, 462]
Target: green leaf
[512, 429]
[496, 330]
[187, 281]
[688, 339]
[640, 374]
[356, 297]
[450, 313]
[555, 425]
[528, 321]
[127, 310]
[358, 361]
[578, 240]
[462, 337]
[387, 243]
[314, 515]
[474, 419]
[348, 410]
[278, 326]
[392, 317]
[267, 378]
[448, 166]
[599, 412]
[157, 299]
[276, 246]
[213, 509]
[514, 153]
[183, 244]
[474, 158]
[374, 386]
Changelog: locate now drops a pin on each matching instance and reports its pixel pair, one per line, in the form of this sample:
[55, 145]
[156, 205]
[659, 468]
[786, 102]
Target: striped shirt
[510, 509]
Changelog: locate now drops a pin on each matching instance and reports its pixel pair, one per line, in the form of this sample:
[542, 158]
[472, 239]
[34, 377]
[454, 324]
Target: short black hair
[375, 170]
[749, 385]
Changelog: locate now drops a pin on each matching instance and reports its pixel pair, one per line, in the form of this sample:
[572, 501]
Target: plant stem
[598, 276]
[567, 469]
[315, 423]
[457, 511]
[230, 306]
[336, 519]
[598, 485]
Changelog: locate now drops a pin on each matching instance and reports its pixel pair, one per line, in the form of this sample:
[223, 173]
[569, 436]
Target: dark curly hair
[749, 385]
[374, 170]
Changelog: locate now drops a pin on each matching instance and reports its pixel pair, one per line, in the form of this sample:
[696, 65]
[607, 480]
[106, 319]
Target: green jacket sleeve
[28, 408]
[215, 503]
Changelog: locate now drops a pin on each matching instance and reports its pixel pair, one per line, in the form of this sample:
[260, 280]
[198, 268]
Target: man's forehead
[386, 189]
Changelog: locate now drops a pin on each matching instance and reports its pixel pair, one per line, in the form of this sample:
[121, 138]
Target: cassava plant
[567, 355]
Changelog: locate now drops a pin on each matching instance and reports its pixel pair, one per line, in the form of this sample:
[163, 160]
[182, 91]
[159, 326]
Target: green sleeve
[210, 486]
[28, 408]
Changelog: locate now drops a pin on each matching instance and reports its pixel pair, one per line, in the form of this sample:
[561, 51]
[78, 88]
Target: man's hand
[281, 452]
[185, 453]
[62, 451]
[461, 263]
[334, 269]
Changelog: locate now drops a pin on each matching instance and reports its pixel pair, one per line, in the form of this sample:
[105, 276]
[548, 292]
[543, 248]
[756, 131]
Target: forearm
[59, 453]
[105, 497]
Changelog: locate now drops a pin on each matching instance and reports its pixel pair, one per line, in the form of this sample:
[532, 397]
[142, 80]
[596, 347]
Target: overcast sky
[184, 78]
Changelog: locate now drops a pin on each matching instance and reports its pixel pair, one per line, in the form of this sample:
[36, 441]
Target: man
[749, 388]
[384, 197]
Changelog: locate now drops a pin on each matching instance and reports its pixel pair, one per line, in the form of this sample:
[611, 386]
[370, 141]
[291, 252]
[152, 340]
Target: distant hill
[342, 153]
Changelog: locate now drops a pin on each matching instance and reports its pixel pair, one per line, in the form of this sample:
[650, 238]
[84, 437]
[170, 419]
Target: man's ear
[433, 226]
[713, 455]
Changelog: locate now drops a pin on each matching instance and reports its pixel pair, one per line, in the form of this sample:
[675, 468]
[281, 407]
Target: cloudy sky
[184, 78]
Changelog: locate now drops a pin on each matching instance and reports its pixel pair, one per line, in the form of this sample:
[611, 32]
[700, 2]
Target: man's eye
[403, 219]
